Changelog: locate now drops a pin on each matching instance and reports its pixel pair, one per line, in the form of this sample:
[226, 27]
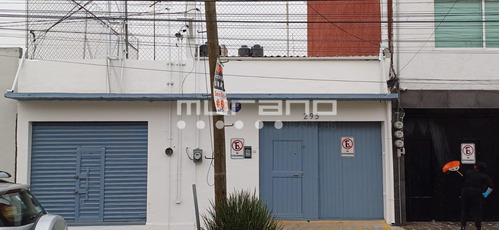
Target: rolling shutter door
[70, 179]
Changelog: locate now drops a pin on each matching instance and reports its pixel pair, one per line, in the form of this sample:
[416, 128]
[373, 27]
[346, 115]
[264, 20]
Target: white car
[20, 210]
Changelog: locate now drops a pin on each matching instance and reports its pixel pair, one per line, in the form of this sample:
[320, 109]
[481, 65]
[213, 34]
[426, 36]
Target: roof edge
[190, 96]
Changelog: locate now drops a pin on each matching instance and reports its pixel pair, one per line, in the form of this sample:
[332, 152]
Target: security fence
[161, 30]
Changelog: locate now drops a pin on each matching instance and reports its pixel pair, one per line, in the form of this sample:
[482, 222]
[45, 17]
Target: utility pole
[219, 133]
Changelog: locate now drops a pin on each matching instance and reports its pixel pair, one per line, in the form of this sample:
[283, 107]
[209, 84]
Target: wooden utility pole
[219, 133]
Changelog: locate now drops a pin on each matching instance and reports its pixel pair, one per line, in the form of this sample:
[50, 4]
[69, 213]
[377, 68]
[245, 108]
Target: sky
[12, 28]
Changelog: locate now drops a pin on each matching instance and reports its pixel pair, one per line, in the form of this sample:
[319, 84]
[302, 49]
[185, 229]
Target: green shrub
[241, 211]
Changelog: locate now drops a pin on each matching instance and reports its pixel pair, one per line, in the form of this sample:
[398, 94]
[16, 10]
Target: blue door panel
[287, 173]
[108, 185]
[287, 176]
[287, 197]
[89, 183]
[304, 176]
[350, 187]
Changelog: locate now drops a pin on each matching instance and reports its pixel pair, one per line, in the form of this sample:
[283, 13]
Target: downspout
[170, 130]
[388, 153]
[391, 218]
[123, 55]
[178, 198]
[14, 84]
[121, 72]
[193, 43]
[400, 207]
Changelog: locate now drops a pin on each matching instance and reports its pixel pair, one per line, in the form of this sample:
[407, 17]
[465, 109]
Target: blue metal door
[287, 174]
[303, 174]
[89, 202]
[350, 186]
[288, 163]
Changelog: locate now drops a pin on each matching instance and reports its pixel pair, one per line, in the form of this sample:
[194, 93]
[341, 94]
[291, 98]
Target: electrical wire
[430, 36]
[311, 79]
[413, 21]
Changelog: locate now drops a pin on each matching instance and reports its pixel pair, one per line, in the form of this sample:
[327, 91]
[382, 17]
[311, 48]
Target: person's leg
[464, 208]
[475, 208]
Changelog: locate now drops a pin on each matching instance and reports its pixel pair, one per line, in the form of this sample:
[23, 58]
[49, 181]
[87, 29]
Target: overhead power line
[435, 81]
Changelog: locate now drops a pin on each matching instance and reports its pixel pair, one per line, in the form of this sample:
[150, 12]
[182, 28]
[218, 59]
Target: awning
[191, 96]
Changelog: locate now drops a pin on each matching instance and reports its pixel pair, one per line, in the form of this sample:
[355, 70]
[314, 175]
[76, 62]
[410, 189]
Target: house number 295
[311, 116]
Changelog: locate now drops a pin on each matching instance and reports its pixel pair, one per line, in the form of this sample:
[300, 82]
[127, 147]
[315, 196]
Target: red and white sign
[347, 146]
[220, 98]
[468, 151]
[237, 145]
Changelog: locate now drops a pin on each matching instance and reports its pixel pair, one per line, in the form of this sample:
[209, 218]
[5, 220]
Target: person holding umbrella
[475, 181]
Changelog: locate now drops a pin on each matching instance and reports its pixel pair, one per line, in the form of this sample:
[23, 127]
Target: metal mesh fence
[160, 30]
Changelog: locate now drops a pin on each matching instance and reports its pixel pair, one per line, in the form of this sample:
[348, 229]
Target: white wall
[422, 66]
[170, 203]
[247, 76]
[9, 59]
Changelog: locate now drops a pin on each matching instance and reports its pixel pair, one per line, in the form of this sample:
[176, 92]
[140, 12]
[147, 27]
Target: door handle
[299, 174]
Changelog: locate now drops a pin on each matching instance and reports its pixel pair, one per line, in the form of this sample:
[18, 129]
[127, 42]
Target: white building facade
[312, 136]
[66, 109]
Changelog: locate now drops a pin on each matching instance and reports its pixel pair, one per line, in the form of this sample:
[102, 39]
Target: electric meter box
[197, 155]
[247, 152]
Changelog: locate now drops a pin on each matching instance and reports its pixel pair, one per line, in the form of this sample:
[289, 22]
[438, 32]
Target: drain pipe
[178, 199]
[18, 70]
[388, 158]
[196, 210]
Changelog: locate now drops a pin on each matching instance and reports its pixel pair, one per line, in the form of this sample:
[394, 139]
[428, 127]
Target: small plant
[241, 211]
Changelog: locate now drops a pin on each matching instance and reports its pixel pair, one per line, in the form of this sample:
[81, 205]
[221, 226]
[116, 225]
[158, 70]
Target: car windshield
[18, 208]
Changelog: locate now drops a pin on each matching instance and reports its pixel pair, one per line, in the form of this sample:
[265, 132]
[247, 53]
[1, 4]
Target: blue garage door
[91, 172]
[303, 174]
[350, 186]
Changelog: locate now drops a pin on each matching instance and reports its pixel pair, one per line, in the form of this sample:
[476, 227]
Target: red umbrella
[452, 166]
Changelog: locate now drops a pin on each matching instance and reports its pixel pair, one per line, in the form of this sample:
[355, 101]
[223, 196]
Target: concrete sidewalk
[330, 225]
[381, 225]
[337, 225]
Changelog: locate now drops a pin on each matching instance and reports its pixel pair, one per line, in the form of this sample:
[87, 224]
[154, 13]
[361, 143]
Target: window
[19, 208]
[491, 16]
[466, 23]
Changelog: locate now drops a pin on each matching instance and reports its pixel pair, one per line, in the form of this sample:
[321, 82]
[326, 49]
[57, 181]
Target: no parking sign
[237, 145]
[468, 153]
[347, 146]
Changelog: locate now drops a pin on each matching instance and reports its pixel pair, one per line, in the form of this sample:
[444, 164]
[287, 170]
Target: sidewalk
[380, 225]
[337, 225]
[333, 225]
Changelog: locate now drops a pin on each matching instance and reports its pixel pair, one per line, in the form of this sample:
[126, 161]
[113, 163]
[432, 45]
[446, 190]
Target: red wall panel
[343, 28]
